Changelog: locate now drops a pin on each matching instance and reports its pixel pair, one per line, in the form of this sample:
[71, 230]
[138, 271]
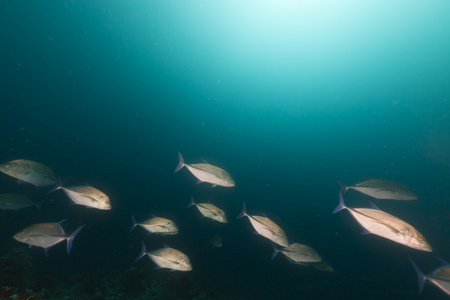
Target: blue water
[287, 96]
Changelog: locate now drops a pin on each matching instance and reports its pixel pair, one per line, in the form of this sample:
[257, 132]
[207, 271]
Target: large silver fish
[378, 222]
[382, 189]
[439, 277]
[298, 253]
[29, 171]
[85, 195]
[15, 202]
[267, 228]
[168, 258]
[46, 235]
[207, 173]
[157, 225]
[210, 211]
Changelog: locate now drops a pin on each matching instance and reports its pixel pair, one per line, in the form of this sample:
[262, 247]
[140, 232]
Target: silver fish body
[267, 228]
[210, 211]
[382, 189]
[207, 173]
[387, 226]
[15, 202]
[85, 195]
[158, 225]
[45, 235]
[29, 171]
[301, 253]
[168, 258]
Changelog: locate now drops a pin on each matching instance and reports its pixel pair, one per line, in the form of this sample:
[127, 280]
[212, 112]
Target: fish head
[14, 168]
[229, 181]
[222, 217]
[171, 227]
[23, 236]
[103, 202]
[418, 241]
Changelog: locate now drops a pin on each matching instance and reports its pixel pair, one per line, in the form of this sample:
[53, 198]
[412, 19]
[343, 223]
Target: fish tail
[275, 251]
[134, 224]
[180, 164]
[422, 277]
[341, 203]
[343, 186]
[71, 237]
[143, 252]
[192, 202]
[57, 186]
[244, 211]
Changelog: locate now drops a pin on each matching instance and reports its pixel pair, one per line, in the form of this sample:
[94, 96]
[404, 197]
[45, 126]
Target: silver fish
[168, 258]
[298, 253]
[46, 235]
[157, 225]
[439, 277]
[207, 173]
[321, 266]
[29, 171]
[382, 189]
[378, 222]
[210, 211]
[85, 195]
[15, 201]
[266, 227]
[216, 241]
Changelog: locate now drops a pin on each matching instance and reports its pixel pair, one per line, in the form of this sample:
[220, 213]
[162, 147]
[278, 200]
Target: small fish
[157, 225]
[320, 266]
[15, 202]
[323, 266]
[378, 222]
[46, 235]
[298, 253]
[85, 195]
[382, 189]
[439, 277]
[29, 171]
[210, 211]
[207, 173]
[216, 241]
[267, 228]
[167, 258]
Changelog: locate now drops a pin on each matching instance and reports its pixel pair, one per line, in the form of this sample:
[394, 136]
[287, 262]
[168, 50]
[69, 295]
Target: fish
[320, 266]
[210, 211]
[168, 258]
[85, 195]
[157, 225]
[15, 202]
[216, 241]
[298, 253]
[439, 277]
[380, 223]
[207, 173]
[29, 171]
[266, 227]
[382, 189]
[46, 235]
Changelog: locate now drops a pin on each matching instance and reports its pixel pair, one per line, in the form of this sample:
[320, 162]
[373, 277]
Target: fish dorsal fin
[204, 161]
[165, 246]
[263, 215]
[374, 206]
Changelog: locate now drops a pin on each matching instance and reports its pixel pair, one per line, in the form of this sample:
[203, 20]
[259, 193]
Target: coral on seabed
[7, 292]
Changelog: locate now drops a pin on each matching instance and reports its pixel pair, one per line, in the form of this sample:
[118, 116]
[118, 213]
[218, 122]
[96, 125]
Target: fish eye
[420, 238]
[12, 164]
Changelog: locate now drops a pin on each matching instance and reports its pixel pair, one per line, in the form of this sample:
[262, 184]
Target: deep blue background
[287, 97]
